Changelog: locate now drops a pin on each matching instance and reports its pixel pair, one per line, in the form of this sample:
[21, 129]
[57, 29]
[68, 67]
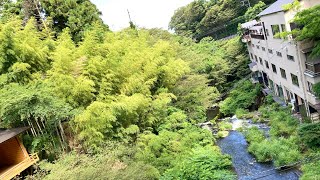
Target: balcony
[257, 36]
[312, 67]
[8, 172]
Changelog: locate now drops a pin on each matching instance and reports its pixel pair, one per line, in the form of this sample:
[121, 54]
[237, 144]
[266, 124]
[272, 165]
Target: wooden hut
[14, 157]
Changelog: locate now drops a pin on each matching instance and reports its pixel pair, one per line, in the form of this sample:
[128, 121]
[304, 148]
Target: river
[244, 163]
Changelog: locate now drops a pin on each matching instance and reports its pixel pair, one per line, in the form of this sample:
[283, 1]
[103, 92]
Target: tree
[195, 96]
[78, 15]
[310, 134]
[252, 12]
[186, 19]
[309, 19]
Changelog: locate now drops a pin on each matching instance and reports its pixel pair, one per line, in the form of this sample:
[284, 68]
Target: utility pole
[130, 21]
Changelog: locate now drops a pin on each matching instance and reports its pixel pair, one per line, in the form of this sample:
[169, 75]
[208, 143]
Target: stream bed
[244, 163]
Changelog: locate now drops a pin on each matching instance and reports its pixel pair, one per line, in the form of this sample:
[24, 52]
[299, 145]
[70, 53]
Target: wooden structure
[14, 157]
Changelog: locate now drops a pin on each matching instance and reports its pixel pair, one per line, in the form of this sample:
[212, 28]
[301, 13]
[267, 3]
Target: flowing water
[244, 163]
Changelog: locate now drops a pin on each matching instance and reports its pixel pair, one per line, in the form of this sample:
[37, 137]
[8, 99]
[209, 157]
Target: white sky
[144, 13]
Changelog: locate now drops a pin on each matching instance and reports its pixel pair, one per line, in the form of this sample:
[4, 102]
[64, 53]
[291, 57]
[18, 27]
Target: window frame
[279, 54]
[270, 51]
[289, 58]
[283, 73]
[274, 68]
[260, 60]
[295, 80]
[266, 64]
[275, 30]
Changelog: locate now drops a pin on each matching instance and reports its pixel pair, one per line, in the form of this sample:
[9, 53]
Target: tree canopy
[217, 19]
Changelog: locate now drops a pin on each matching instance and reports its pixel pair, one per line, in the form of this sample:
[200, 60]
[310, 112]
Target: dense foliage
[309, 20]
[244, 96]
[143, 88]
[283, 145]
[218, 19]
[310, 134]
[202, 163]
[52, 16]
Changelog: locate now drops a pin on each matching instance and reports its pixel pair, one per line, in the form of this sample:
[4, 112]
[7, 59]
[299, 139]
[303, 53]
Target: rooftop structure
[14, 156]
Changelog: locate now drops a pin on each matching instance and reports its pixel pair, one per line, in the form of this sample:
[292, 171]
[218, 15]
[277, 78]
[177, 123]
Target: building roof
[6, 134]
[249, 24]
[275, 7]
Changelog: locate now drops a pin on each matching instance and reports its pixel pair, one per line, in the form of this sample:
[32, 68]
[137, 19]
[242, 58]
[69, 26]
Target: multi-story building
[282, 64]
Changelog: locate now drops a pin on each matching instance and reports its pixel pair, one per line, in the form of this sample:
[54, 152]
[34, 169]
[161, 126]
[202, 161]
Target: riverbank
[245, 164]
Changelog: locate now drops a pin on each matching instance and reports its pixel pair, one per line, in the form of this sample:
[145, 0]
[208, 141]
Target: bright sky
[144, 13]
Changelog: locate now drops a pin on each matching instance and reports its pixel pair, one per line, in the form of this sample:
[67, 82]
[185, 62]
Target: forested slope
[142, 88]
[213, 18]
[106, 105]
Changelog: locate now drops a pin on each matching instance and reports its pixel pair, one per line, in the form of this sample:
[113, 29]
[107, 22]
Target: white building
[283, 65]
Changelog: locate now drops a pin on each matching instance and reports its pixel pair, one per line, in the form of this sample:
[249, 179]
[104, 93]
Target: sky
[144, 13]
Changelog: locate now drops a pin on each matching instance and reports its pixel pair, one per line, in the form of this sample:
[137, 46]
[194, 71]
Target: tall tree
[78, 15]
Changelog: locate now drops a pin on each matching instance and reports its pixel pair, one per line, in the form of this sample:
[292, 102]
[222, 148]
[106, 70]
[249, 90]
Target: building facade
[282, 64]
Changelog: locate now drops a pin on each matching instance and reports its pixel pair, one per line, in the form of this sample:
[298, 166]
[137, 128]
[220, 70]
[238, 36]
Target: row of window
[289, 57]
[294, 78]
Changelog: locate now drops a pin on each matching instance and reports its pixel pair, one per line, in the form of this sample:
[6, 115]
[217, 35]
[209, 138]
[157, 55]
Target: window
[294, 80]
[267, 64]
[291, 58]
[270, 51]
[267, 32]
[275, 30]
[279, 54]
[251, 55]
[255, 57]
[260, 59]
[310, 87]
[283, 73]
[258, 47]
[283, 28]
[263, 48]
[274, 69]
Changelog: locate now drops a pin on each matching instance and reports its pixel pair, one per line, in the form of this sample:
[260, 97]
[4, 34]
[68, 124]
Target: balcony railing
[312, 69]
[257, 36]
[15, 170]
[311, 73]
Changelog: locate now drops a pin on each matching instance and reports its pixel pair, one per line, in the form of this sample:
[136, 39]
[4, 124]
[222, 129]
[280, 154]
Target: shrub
[282, 151]
[310, 134]
[253, 134]
[269, 100]
[75, 166]
[244, 96]
[283, 124]
[311, 169]
[223, 126]
[243, 114]
[261, 150]
[203, 163]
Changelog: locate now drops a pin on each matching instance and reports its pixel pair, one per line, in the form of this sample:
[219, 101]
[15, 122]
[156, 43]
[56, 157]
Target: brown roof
[6, 134]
